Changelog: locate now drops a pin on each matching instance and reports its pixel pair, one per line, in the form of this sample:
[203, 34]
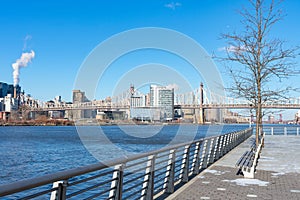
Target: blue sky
[63, 33]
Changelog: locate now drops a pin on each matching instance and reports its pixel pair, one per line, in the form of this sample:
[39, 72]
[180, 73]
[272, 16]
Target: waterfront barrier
[282, 130]
[143, 176]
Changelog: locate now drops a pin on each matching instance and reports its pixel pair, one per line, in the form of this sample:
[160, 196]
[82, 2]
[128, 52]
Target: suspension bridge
[200, 98]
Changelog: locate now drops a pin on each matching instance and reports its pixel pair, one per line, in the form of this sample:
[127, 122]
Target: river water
[27, 151]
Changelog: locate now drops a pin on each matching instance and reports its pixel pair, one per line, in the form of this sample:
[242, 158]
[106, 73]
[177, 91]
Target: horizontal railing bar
[178, 165]
[98, 194]
[160, 168]
[90, 178]
[90, 188]
[132, 194]
[180, 155]
[135, 171]
[163, 154]
[136, 163]
[158, 186]
[161, 161]
[39, 193]
[178, 170]
[67, 174]
[159, 174]
[134, 179]
[130, 188]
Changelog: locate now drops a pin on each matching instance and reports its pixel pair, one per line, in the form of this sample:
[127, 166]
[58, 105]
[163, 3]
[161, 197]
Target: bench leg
[248, 173]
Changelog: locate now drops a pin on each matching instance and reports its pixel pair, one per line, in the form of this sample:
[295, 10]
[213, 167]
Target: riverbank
[90, 122]
[50, 122]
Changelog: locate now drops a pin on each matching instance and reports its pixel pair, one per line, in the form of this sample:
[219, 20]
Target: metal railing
[143, 176]
[282, 130]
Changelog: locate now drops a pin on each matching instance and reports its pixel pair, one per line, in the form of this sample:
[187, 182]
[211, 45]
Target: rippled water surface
[27, 152]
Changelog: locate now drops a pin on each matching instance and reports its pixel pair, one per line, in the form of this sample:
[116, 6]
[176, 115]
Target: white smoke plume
[21, 62]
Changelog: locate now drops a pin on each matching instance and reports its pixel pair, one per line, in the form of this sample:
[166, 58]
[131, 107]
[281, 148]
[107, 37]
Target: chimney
[15, 92]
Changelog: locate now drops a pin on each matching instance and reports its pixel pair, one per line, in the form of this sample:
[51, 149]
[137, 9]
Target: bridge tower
[201, 109]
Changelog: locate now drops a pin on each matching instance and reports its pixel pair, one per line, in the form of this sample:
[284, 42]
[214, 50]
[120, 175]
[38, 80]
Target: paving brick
[221, 182]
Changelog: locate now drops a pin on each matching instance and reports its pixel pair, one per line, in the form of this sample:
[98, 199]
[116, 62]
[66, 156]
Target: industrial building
[6, 89]
[9, 99]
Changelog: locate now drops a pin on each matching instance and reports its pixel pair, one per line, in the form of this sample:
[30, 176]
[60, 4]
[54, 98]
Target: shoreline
[88, 122]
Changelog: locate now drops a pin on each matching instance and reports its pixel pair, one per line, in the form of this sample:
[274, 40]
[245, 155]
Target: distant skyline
[63, 33]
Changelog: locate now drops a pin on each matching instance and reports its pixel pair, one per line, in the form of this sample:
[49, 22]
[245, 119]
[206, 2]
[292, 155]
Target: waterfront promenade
[277, 175]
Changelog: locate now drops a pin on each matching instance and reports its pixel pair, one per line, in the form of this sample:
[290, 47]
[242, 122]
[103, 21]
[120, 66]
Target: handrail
[215, 147]
[282, 130]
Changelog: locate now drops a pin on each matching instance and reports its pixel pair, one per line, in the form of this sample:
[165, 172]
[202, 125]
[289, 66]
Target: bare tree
[262, 59]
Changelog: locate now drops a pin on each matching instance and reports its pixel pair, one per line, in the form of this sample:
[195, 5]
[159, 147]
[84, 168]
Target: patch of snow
[221, 189]
[295, 191]
[215, 172]
[204, 197]
[246, 182]
[267, 158]
[278, 174]
[205, 182]
[251, 195]
[201, 177]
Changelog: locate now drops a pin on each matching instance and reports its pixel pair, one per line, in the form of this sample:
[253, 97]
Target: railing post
[216, 154]
[285, 131]
[211, 150]
[185, 164]
[60, 193]
[148, 185]
[117, 183]
[169, 180]
[229, 142]
[196, 160]
[225, 144]
[237, 136]
[203, 163]
[220, 153]
[207, 153]
[233, 139]
[272, 131]
[297, 131]
[240, 136]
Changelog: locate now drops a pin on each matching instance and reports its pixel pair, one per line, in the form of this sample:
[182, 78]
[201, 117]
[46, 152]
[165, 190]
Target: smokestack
[15, 92]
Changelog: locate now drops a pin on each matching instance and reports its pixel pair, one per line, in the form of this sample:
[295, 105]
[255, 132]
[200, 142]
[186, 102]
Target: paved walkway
[277, 176]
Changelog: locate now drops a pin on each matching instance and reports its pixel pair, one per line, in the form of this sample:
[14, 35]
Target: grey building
[79, 97]
[163, 98]
[6, 89]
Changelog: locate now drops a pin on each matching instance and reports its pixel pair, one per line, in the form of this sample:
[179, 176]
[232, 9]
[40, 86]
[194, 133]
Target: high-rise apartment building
[79, 97]
[163, 98]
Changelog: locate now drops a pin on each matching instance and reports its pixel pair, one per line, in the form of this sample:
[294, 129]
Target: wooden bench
[248, 161]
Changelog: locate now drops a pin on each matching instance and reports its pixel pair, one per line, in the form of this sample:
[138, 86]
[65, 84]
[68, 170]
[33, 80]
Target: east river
[28, 151]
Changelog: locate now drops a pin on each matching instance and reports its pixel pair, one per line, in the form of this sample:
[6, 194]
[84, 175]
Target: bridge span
[91, 106]
[198, 100]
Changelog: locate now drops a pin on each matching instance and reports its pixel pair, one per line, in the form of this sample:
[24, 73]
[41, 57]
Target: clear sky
[62, 33]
